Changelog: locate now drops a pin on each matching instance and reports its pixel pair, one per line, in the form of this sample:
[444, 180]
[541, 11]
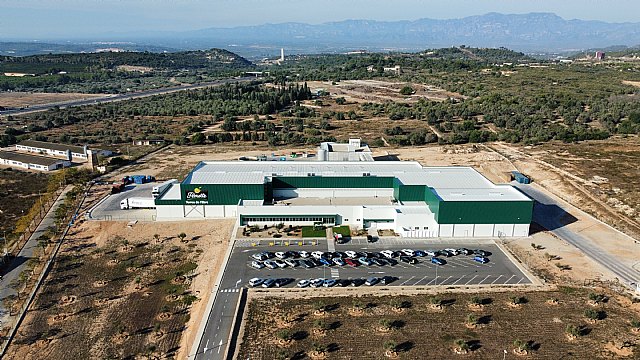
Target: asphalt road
[551, 215]
[109, 209]
[121, 97]
[459, 270]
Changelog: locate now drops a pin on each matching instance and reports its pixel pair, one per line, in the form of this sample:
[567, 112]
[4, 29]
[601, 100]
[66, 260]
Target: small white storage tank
[323, 155]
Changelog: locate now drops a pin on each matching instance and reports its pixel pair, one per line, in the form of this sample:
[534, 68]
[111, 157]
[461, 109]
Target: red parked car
[350, 262]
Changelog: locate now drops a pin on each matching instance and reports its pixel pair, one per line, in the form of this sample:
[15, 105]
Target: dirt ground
[358, 327]
[118, 291]
[23, 99]
[381, 91]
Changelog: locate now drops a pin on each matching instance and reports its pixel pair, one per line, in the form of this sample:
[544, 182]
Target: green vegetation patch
[311, 231]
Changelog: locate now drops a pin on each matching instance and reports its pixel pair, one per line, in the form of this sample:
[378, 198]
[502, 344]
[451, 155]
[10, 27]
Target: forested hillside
[115, 72]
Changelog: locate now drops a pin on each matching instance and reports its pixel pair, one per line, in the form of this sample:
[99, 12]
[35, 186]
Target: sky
[59, 19]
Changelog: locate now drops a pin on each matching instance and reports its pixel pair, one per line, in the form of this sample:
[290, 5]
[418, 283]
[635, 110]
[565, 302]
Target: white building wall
[214, 211]
[194, 211]
[521, 230]
[483, 230]
[446, 230]
[169, 211]
[503, 230]
[463, 230]
[330, 193]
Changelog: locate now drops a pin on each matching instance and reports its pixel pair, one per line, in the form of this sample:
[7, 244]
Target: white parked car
[453, 251]
[255, 282]
[430, 252]
[281, 255]
[408, 252]
[281, 264]
[387, 253]
[257, 264]
[303, 254]
[303, 283]
[291, 262]
[317, 254]
[260, 256]
[350, 253]
[317, 282]
[270, 264]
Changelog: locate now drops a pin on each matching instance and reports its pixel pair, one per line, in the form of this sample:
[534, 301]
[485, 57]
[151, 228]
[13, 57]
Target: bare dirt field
[119, 291]
[19, 191]
[22, 99]
[380, 91]
[428, 326]
[599, 177]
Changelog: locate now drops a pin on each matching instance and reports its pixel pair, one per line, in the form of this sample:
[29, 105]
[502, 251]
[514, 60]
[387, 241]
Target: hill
[117, 72]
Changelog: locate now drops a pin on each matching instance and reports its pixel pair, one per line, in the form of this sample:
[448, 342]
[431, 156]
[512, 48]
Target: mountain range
[533, 32]
[524, 32]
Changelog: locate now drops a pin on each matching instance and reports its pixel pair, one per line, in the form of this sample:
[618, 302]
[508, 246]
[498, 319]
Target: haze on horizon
[60, 19]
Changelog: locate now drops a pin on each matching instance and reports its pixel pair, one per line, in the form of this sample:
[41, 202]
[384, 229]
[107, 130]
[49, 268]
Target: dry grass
[422, 332]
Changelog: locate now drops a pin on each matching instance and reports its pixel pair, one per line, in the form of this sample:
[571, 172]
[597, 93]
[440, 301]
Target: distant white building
[355, 150]
[69, 152]
[396, 69]
[31, 162]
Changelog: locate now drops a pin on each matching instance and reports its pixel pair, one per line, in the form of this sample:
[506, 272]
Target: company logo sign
[197, 196]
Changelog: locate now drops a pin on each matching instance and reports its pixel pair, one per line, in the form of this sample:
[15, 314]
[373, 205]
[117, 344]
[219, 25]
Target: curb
[234, 327]
[534, 280]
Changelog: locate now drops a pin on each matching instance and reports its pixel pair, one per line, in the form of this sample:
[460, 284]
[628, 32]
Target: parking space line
[481, 281]
[445, 280]
[470, 280]
[494, 281]
[434, 279]
[419, 281]
[519, 281]
[509, 279]
[460, 278]
[407, 280]
[457, 262]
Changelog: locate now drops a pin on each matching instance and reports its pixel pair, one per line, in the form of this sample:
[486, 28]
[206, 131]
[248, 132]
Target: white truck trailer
[138, 203]
[157, 190]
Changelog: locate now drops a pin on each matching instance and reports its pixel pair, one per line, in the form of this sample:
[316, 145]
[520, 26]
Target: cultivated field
[428, 326]
[22, 99]
[119, 291]
[18, 191]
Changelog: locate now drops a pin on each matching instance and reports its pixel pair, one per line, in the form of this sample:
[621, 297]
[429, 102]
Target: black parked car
[409, 259]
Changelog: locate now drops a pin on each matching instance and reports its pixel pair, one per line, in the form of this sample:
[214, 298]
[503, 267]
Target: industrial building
[31, 162]
[403, 196]
[69, 152]
[355, 150]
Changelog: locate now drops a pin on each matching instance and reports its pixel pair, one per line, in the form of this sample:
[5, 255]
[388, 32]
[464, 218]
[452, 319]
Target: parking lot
[459, 270]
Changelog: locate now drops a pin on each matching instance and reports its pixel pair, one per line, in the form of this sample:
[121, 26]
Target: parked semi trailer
[137, 203]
